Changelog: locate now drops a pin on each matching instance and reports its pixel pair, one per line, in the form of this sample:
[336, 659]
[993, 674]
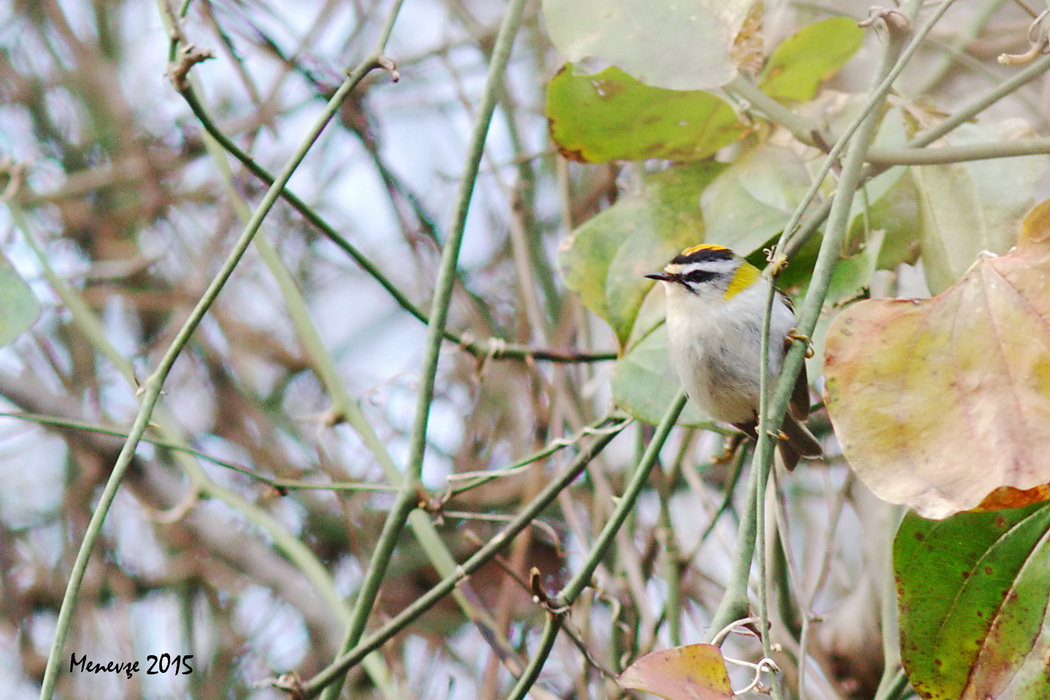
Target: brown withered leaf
[748, 48]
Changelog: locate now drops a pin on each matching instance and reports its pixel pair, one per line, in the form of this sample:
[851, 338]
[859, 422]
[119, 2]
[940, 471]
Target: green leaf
[605, 259]
[612, 116]
[888, 202]
[972, 594]
[967, 208]
[883, 234]
[19, 308]
[803, 61]
[893, 208]
[853, 271]
[751, 201]
[677, 45]
[644, 385]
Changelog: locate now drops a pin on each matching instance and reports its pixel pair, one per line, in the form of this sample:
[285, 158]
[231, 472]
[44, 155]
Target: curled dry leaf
[940, 402]
[695, 671]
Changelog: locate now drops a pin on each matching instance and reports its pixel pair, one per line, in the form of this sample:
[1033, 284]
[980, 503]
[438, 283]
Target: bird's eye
[698, 276]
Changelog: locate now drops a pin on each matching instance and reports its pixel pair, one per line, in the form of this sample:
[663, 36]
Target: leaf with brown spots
[972, 596]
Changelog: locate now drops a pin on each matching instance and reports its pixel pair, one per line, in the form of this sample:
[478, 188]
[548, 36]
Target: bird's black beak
[662, 276]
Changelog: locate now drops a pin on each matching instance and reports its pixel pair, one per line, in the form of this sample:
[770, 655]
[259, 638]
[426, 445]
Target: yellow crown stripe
[703, 246]
[745, 276]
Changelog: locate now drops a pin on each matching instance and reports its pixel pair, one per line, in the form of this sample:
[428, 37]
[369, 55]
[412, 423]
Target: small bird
[715, 306]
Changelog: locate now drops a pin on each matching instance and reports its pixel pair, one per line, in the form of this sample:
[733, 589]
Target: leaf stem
[894, 687]
[803, 129]
[968, 112]
[945, 62]
[625, 506]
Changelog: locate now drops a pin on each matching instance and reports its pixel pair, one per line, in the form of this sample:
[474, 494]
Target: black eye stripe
[699, 276]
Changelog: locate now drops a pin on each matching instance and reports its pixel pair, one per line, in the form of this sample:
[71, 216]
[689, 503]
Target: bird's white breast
[714, 347]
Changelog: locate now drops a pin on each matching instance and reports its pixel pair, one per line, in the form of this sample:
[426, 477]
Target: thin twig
[153, 385]
[477, 560]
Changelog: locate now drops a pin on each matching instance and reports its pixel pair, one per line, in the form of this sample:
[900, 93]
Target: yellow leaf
[939, 402]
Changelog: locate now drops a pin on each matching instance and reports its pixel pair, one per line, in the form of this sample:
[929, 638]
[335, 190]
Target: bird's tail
[799, 443]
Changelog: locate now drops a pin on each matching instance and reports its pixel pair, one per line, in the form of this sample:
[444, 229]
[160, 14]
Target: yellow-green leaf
[605, 259]
[751, 201]
[814, 54]
[612, 116]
